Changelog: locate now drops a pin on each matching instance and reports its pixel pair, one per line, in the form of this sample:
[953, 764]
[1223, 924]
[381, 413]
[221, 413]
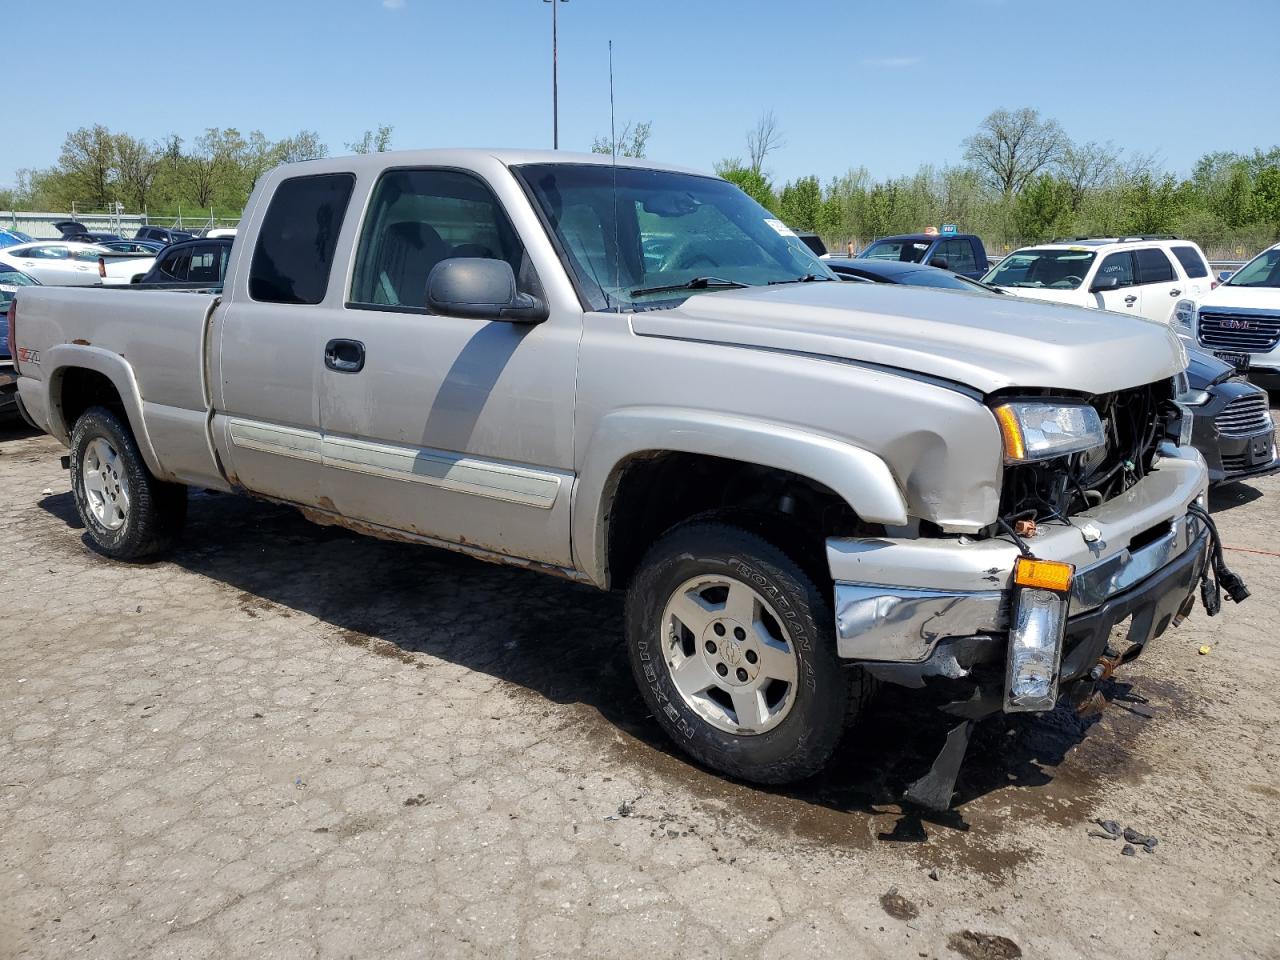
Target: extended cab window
[298, 237]
[1153, 266]
[1191, 262]
[418, 218]
[958, 256]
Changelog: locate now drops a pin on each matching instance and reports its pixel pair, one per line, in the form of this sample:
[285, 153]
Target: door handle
[1130, 300]
[1175, 293]
[345, 356]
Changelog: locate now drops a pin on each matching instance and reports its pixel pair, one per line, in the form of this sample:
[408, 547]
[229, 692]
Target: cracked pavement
[292, 741]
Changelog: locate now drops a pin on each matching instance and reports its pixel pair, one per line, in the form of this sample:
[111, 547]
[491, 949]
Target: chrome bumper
[895, 599]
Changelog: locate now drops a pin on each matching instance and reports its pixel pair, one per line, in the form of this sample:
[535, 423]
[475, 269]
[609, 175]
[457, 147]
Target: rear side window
[1153, 266]
[298, 237]
[1191, 262]
[175, 265]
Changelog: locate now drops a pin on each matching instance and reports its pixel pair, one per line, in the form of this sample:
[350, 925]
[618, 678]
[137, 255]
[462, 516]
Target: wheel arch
[80, 377]
[635, 438]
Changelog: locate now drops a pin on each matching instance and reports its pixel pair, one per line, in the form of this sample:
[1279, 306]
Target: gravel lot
[291, 741]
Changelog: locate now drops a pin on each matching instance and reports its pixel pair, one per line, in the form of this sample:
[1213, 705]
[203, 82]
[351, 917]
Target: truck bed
[156, 338]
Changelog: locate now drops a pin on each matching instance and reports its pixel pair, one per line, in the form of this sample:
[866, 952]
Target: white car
[67, 263]
[1240, 320]
[1141, 275]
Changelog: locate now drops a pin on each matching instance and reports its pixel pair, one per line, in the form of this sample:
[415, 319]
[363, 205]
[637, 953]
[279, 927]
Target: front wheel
[126, 511]
[732, 645]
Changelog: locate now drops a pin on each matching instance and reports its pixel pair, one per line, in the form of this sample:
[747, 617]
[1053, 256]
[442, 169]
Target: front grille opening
[1250, 332]
[1053, 490]
[1150, 536]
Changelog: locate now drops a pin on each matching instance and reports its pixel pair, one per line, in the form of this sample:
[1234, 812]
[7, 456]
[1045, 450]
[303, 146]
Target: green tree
[753, 184]
[800, 203]
[1043, 209]
[87, 163]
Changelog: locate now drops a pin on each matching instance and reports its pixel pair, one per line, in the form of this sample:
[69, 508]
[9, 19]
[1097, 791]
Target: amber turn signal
[1043, 574]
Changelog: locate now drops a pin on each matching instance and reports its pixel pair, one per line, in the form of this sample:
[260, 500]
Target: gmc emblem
[1237, 324]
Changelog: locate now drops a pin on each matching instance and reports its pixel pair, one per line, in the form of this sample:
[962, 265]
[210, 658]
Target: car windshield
[10, 277]
[1043, 269]
[1262, 271]
[931, 277]
[908, 251]
[638, 239]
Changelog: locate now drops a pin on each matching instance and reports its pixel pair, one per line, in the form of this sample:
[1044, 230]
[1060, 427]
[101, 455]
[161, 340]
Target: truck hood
[1227, 296]
[982, 341]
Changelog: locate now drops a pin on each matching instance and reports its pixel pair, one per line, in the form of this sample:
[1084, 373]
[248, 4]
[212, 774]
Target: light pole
[555, 75]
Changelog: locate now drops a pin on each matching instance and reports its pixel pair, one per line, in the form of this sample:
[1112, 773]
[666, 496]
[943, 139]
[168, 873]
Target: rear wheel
[126, 511]
[733, 647]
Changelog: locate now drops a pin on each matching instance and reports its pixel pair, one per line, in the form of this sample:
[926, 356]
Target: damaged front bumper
[936, 613]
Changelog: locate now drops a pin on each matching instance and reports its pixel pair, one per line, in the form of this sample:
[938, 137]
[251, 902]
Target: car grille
[1245, 416]
[1248, 332]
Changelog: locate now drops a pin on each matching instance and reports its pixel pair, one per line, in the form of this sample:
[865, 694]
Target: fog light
[1035, 650]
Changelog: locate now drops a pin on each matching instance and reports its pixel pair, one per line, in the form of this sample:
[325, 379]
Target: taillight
[13, 331]
[1213, 284]
[102, 268]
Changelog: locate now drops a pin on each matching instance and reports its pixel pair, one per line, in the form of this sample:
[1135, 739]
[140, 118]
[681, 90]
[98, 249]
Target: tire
[790, 719]
[127, 513]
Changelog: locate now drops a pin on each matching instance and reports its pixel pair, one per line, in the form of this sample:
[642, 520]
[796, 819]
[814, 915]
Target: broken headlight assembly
[1033, 430]
[1038, 621]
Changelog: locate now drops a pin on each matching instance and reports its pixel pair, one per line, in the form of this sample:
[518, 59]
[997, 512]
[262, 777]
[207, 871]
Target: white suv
[1240, 320]
[1143, 275]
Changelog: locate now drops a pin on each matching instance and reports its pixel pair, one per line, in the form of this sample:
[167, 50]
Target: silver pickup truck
[635, 377]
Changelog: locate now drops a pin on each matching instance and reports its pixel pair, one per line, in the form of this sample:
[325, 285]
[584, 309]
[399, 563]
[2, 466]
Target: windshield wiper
[807, 278]
[697, 283]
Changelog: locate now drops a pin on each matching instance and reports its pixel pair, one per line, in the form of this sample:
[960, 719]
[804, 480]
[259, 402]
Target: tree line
[1023, 180]
[98, 168]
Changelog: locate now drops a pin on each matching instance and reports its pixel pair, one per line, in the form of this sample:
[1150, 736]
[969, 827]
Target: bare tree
[631, 142]
[373, 141]
[1087, 166]
[763, 140]
[1012, 147]
[137, 165]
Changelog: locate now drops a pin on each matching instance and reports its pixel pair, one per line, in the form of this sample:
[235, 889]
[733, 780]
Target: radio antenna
[613, 150]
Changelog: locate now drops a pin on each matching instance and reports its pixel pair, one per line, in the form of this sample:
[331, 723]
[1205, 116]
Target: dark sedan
[1233, 428]
[901, 271]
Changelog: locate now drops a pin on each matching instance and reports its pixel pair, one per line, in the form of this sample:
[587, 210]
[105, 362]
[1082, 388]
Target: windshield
[659, 230]
[932, 277]
[1262, 271]
[9, 277]
[909, 251]
[1046, 269]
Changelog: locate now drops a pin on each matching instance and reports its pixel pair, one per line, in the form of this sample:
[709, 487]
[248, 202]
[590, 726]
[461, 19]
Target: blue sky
[888, 85]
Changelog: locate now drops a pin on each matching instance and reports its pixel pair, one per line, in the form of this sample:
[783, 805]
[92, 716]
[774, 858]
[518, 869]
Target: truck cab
[962, 253]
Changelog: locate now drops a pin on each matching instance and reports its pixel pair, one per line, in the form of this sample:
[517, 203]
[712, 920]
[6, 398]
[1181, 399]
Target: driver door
[1124, 298]
[449, 427]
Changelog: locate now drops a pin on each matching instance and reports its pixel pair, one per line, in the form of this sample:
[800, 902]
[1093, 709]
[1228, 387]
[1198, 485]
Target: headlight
[1041, 431]
[1184, 315]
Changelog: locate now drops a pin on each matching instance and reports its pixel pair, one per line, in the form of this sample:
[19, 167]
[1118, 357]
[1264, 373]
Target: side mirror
[940, 263]
[1225, 275]
[482, 288]
[1105, 283]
